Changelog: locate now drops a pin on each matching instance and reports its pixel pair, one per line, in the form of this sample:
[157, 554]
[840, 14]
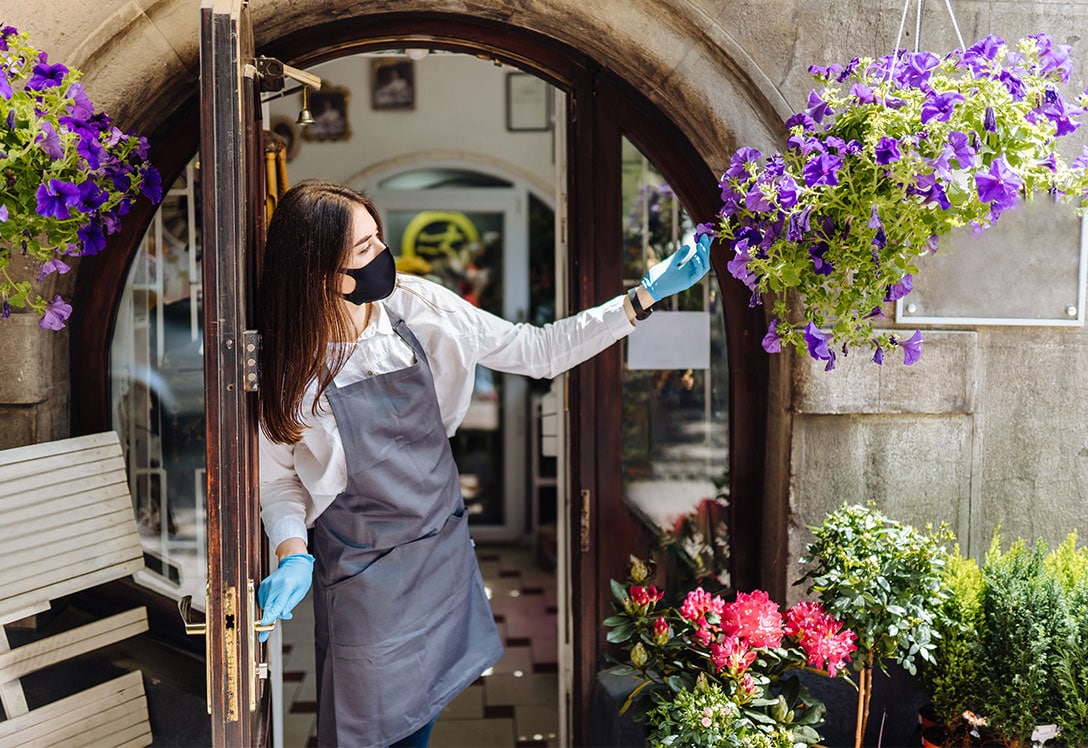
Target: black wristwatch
[640, 313]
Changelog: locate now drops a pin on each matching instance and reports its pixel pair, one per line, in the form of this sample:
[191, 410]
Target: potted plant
[1011, 665]
[1070, 564]
[69, 174]
[882, 579]
[951, 678]
[890, 154]
[710, 672]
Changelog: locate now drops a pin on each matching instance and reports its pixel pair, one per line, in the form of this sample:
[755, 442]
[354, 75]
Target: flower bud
[639, 657]
[640, 570]
[661, 631]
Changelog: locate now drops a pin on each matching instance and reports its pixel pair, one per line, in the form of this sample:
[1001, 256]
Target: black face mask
[373, 281]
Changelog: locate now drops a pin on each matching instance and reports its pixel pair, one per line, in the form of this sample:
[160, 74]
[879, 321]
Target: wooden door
[232, 205]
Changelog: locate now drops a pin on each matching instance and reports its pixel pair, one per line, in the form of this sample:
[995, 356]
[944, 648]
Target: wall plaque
[1028, 269]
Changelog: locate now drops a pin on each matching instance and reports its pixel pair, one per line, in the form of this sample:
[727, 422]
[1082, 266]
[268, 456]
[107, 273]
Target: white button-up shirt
[299, 481]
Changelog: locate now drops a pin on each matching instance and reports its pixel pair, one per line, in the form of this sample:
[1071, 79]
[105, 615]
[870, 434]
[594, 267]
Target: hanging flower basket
[889, 155]
[69, 174]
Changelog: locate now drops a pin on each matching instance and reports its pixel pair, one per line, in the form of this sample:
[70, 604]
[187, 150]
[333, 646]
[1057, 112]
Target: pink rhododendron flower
[732, 655]
[821, 636]
[703, 635]
[754, 617]
[698, 603]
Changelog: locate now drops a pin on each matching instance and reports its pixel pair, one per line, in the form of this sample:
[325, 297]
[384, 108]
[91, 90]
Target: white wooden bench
[66, 525]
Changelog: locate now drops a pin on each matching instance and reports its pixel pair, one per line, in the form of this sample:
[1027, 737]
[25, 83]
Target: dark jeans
[417, 739]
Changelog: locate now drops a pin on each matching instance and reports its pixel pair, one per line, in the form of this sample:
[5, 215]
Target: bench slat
[51, 506]
[13, 608]
[35, 724]
[75, 508]
[35, 488]
[114, 724]
[66, 529]
[85, 460]
[73, 556]
[44, 449]
[53, 649]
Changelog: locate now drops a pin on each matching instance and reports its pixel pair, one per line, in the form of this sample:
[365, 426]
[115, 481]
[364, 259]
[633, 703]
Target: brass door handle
[185, 606]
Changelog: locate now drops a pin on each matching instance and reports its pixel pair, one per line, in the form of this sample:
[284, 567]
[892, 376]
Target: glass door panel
[675, 412]
[463, 251]
[158, 394]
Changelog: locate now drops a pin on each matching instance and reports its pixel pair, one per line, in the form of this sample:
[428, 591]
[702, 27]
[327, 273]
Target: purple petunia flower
[738, 164]
[56, 312]
[887, 151]
[151, 186]
[862, 93]
[961, 149]
[756, 201]
[900, 289]
[915, 69]
[81, 106]
[880, 239]
[705, 229]
[878, 355]
[1058, 111]
[91, 196]
[91, 149]
[817, 345]
[980, 55]
[738, 268]
[999, 186]
[56, 197]
[818, 108]
[5, 312]
[3, 213]
[92, 238]
[771, 342]
[787, 192]
[927, 186]
[50, 142]
[60, 267]
[1081, 161]
[805, 144]
[822, 169]
[803, 119]
[1014, 84]
[820, 265]
[940, 106]
[1053, 58]
[798, 224]
[989, 120]
[5, 85]
[46, 76]
[826, 73]
[912, 348]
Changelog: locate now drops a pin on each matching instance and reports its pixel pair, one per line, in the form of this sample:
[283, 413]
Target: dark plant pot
[926, 716]
[932, 736]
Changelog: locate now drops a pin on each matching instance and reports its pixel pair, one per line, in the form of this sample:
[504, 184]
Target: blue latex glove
[284, 588]
[679, 271]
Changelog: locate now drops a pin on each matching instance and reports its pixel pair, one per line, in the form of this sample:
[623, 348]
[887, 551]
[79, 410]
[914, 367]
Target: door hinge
[584, 523]
[251, 345]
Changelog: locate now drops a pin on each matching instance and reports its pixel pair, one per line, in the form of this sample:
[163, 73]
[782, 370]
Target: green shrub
[1070, 567]
[1024, 631]
[952, 679]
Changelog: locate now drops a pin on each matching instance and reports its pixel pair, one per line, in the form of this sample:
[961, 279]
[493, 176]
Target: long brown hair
[299, 300]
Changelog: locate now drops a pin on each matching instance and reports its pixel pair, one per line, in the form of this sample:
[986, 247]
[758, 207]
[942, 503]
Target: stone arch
[141, 58]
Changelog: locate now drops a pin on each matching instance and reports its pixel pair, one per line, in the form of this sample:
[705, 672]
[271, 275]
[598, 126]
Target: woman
[364, 376]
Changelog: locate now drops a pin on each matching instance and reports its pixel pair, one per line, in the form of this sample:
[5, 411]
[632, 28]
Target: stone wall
[989, 427]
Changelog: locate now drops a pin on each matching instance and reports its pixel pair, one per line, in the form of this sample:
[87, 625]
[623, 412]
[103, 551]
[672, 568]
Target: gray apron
[402, 623]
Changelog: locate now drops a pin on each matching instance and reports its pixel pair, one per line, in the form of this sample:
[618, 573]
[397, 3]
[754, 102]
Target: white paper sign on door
[670, 340]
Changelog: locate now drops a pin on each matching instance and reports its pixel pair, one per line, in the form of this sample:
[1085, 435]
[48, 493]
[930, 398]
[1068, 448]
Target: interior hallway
[514, 706]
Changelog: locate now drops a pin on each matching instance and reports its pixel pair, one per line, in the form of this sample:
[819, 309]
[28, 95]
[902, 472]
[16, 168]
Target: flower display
[888, 155]
[69, 174]
[729, 657]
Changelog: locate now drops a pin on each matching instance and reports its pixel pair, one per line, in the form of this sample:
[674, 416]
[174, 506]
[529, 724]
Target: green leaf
[618, 590]
[621, 633]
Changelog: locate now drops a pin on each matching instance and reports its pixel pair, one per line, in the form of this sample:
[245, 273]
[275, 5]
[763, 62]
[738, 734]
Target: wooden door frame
[600, 102]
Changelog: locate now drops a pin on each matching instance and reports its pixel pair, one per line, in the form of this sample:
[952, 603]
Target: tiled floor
[513, 706]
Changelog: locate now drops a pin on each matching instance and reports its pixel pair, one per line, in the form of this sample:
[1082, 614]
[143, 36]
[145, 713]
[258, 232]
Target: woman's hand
[284, 588]
[679, 271]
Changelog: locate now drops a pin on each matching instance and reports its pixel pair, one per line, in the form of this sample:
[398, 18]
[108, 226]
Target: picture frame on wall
[528, 103]
[392, 83]
[329, 107]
